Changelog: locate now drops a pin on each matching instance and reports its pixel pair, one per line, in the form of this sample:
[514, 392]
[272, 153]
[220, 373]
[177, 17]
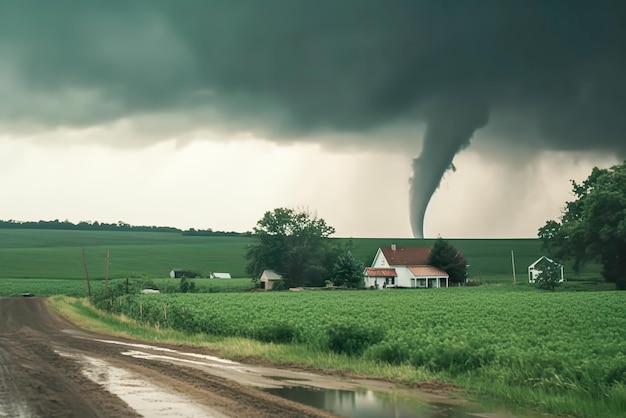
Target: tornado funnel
[449, 130]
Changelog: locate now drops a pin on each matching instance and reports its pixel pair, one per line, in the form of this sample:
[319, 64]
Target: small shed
[220, 276]
[535, 269]
[268, 278]
[177, 273]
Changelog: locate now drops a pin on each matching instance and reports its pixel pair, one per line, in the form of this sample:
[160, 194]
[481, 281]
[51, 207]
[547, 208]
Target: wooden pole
[86, 273]
[106, 275]
[513, 263]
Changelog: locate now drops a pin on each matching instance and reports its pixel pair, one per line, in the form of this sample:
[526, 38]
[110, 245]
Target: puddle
[342, 397]
[144, 397]
[371, 404]
[169, 350]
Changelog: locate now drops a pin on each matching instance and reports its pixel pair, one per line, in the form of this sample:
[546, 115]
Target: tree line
[103, 226]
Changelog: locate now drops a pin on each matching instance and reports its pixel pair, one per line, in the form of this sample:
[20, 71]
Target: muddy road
[50, 368]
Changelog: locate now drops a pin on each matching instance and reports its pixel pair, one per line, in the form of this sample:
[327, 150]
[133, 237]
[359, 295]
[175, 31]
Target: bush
[352, 339]
[392, 352]
[281, 333]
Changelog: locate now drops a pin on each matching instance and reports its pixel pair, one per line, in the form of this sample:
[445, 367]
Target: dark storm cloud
[549, 73]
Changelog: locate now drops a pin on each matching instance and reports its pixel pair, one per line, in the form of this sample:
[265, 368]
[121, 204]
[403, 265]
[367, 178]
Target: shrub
[352, 339]
[275, 333]
[392, 352]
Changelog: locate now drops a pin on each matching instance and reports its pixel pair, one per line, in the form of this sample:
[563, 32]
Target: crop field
[565, 351]
[57, 254]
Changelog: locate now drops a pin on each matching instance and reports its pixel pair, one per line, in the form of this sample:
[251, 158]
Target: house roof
[406, 256]
[380, 272]
[270, 275]
[427, 271]
[542, 258]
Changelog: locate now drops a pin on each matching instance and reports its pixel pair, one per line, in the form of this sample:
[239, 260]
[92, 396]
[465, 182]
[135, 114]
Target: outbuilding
[268, 278]
[220, 276]
[536, 268]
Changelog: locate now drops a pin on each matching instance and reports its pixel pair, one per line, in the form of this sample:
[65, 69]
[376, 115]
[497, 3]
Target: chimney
[393, 247]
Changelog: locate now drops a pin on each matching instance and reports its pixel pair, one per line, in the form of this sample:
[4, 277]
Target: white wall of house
[405, 278]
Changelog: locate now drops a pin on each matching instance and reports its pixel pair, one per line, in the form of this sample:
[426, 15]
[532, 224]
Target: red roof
[380, 272]
[427, 271]
[406, 256]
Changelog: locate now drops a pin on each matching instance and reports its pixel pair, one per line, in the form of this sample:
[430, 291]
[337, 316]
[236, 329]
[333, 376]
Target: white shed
[220, 276]
[268, 278]
[535, 269]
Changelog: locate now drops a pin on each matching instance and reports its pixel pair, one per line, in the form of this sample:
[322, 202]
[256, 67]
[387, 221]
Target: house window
[390, 281]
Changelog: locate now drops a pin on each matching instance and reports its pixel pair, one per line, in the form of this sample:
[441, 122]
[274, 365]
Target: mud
[50, 368]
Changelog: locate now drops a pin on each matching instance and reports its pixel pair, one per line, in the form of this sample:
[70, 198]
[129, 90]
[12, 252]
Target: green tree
[444, 256]
[347, 271]
[187, 286]
[295, 245]
[550, 277]
[593, 227]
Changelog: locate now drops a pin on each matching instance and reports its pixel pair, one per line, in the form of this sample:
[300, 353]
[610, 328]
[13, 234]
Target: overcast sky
[208, 114]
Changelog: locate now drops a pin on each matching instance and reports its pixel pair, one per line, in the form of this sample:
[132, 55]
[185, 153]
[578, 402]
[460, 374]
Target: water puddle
[144, 397]
[343, 397]
[364, 403]
[169, 350]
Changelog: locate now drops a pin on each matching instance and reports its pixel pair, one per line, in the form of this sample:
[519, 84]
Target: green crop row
[557, 342]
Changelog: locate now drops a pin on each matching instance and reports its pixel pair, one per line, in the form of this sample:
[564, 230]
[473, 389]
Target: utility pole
[106, 276]
[513, 263]
[86, 273]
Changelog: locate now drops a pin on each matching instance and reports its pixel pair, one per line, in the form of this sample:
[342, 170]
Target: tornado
[449, 129]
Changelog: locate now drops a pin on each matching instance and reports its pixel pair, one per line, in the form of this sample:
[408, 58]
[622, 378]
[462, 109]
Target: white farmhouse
[404, 267]
[536, 268]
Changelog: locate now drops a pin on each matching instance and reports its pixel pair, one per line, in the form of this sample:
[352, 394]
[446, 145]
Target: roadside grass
[81, 313]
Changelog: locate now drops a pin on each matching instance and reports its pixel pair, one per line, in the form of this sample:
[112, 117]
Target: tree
[293, 244]
[444, 256]
[348, 271]
[550, 277]
[593, 227]
[187, 286]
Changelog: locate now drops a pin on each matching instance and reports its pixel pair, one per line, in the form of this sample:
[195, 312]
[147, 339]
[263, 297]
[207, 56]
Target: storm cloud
[529, 73]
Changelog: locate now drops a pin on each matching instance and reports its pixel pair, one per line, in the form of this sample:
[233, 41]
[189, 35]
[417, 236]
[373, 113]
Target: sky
[387, 119]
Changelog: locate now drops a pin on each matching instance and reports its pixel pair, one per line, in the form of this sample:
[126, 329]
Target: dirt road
[50, 368]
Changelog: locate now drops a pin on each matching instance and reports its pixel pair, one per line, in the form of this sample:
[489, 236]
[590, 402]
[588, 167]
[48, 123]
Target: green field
[561, 352]
[57, 254]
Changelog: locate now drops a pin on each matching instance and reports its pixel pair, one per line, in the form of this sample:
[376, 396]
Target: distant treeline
[103, 226]
[211, 233]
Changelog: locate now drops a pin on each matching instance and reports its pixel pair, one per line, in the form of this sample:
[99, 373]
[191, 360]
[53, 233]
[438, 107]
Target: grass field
[57, 254]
